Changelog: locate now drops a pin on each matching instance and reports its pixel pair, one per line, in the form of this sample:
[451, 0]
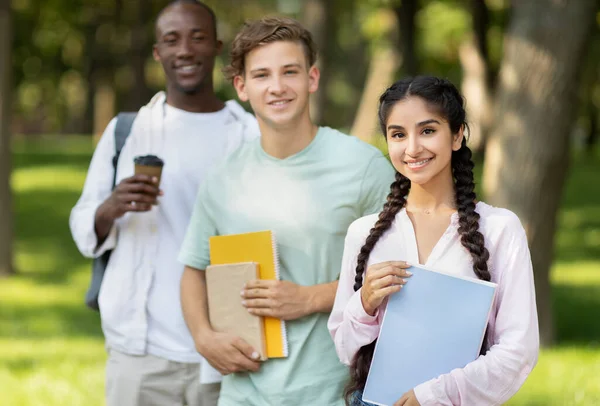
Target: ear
[458, 138]
[155, 53]
[240, 87]
[218, 47]
[313, 79]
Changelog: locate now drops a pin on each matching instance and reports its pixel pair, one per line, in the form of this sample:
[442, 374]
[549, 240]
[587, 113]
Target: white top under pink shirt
[512, 338]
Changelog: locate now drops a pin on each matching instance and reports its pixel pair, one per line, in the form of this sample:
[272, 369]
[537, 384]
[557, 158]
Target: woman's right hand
[380, 281]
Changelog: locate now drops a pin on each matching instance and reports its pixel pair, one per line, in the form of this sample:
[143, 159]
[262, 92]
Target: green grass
[51, 346]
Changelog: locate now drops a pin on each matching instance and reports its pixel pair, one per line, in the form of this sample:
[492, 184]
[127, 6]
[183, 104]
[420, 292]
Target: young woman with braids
[432, 217]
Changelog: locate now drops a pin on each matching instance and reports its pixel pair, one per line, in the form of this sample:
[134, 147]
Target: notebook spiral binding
[278, 275]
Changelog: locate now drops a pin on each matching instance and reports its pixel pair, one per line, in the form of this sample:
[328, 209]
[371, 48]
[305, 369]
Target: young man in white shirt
[152, 357]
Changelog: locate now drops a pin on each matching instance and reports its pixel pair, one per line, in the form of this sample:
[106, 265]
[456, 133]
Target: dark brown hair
[443, 96]
[265, 31]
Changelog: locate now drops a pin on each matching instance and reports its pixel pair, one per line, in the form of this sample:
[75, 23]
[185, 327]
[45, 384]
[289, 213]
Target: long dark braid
[396, 200]
[442, 95]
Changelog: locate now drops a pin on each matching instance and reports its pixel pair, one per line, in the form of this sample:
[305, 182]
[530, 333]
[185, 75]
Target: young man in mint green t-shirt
[307, 184]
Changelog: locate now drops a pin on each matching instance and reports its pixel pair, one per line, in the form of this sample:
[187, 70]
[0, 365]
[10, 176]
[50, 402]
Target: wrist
[104, 213]
[368, 309]
[205, 336]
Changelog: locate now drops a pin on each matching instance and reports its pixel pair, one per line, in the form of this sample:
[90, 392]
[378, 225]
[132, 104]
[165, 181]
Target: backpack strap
[122, 131]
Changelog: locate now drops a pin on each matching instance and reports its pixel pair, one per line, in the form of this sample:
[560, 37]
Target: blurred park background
[530, 71]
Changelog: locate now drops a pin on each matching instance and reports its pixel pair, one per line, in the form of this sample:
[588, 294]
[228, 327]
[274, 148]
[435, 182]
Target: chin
[190, 89]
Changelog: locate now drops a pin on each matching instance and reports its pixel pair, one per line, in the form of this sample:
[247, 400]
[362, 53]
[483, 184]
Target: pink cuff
[424, 394]
[355, 310]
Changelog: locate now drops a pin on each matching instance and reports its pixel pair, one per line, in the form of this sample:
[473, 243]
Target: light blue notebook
[433, 325]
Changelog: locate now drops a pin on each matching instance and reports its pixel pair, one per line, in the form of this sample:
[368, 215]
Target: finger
[256, 303]
[137, 207]
[389, 280]
[244, 364]
[401, 264]
[140, 188]
[385, 292]
[143, 179]
[138, 198]
[246, 349]
[260, 283]
[255, 293]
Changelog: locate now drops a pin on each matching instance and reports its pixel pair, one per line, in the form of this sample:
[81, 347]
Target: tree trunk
[6, 213]
[385, 61]
[527, 153]
[140, 49]
[382, 69]
[473, 55]
[317, 16]
[406, 14]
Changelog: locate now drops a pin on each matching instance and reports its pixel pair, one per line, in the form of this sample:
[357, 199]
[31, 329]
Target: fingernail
[154, 179]
[409, 273]
[242, 293]
[243, 303]
[404, 280]
[255, 355]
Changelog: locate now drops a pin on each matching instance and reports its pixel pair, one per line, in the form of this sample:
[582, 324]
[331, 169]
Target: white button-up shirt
[139, 298]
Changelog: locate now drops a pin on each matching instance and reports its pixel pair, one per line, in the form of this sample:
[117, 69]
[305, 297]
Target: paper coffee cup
[150, 165]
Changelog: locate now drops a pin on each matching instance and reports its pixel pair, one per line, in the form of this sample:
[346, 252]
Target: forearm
[194, 303]
[103, 221]
[321, 297]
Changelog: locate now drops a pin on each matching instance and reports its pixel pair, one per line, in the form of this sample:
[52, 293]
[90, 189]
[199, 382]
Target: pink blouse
[513, 337]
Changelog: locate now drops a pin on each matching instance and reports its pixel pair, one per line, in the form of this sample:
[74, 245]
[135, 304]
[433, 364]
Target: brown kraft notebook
[224, 284]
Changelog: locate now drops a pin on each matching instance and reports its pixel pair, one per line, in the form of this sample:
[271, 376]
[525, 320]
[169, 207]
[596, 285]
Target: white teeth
[419, 163]
[279, 103]
[188, 68]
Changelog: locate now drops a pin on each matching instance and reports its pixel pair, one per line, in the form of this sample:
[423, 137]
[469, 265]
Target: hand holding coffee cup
[137, 193]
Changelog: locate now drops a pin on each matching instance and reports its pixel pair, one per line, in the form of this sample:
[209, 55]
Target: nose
[413, 146]
[277, 85]
[184, 50]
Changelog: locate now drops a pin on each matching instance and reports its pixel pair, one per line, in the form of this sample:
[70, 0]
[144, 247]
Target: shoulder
[351, 146]
[498, 224]
[359, 229]
[251, 129]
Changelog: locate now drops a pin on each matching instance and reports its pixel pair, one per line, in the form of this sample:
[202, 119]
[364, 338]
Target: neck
[282, 142]
[435, 196]
[202, 101]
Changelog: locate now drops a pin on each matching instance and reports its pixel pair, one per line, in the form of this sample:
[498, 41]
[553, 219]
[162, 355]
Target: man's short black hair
[194, 2]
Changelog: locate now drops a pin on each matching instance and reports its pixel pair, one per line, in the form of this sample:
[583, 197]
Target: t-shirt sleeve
[375, 186]
[195, 250]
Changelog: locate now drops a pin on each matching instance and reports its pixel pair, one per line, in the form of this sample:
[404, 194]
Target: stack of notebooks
[435, 324]
[236, 259]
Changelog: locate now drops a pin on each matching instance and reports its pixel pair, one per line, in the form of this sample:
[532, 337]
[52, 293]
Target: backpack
[122, 130]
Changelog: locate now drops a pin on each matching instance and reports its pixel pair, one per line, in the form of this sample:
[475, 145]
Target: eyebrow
[174, 32]
[289, 65]
[420, 124]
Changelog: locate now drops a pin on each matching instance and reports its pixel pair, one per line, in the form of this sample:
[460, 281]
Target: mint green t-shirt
[308, 200]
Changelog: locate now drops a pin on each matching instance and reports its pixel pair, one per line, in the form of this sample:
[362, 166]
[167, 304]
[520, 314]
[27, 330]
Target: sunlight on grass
[52, 372]
[48, 177]
[563, 376]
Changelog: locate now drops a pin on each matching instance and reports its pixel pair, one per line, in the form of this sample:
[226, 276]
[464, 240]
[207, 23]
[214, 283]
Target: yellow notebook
[259, 247]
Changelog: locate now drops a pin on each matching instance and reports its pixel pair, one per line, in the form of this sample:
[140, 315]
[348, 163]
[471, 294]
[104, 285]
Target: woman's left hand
[408, 399]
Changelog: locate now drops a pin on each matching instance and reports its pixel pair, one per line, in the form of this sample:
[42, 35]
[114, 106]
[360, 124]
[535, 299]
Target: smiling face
[277, 82]
[186, 47]
[420, 142]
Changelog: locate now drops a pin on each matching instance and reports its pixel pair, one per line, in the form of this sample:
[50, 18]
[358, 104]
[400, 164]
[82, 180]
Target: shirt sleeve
[349, 325]
[375, 185]
[97, 188]
[195, 249]
[495, 377]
